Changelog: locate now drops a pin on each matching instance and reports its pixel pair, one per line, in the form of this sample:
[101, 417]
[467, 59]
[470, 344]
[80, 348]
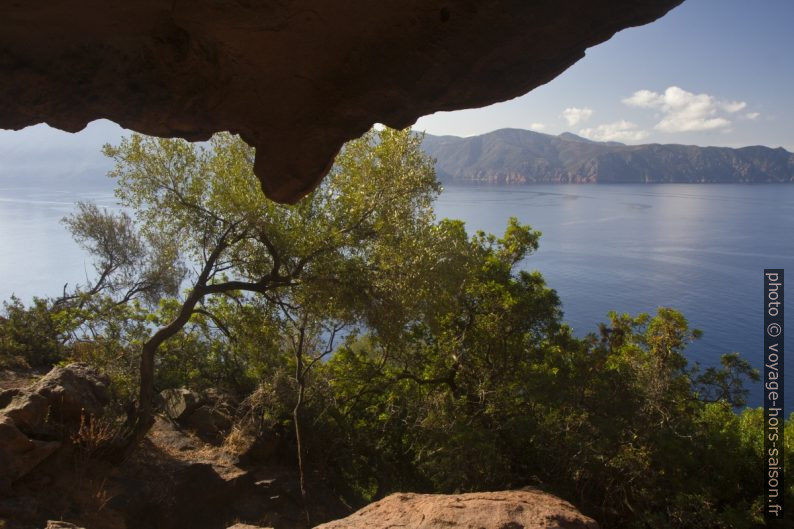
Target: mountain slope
[525, 157]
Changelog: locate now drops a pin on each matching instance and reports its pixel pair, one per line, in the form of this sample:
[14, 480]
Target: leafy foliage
[29, 336]
[612, 422]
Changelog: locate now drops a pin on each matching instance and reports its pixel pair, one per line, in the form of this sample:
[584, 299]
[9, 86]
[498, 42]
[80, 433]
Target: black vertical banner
[773, 395]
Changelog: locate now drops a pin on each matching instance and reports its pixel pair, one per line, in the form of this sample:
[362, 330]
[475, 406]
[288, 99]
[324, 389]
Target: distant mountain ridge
[515, 156]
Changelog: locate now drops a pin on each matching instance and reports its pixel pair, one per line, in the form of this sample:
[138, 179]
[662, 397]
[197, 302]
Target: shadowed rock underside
[295, 79]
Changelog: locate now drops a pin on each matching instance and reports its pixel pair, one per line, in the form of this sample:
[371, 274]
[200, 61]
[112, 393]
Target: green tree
[347, 251]
[495, 392]
[424, 406]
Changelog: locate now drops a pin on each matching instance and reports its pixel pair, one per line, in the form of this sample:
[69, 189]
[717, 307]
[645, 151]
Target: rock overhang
[296, 79]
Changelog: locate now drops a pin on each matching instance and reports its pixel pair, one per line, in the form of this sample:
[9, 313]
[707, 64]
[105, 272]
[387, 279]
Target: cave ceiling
[296, 79]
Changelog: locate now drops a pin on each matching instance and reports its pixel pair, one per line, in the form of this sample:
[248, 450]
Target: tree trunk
[296, 418]
[144, 417]
[300, 377]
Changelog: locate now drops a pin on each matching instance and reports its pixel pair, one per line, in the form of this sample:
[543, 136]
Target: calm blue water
[38, 254]
[698, 248]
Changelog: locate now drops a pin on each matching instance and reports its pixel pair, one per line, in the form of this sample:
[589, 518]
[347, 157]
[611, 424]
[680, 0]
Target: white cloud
[643, 98]
[684, 111]
[574, 115]
[537, 126]
[733, 106]
[752, 115]
[618, 131]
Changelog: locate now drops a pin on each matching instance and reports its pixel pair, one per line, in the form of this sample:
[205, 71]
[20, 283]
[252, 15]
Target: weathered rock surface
[295, 79]
[30, 418]
[18, 453]
[61, 396]
[517, 509]
[208, 414]
[179, 403]
[209, 423]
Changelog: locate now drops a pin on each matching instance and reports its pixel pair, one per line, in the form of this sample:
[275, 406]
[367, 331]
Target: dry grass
[90, 489]
[94, 434]
[238, 440]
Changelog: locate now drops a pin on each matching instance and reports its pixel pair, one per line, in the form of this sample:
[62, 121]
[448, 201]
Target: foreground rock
[61, 397]
[18, 453]
[296, 79]
[517, 509]
[33, 419]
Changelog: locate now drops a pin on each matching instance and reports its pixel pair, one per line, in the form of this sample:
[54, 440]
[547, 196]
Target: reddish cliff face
[296, 79]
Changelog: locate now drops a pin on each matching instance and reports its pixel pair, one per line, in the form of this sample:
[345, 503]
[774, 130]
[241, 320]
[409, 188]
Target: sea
[699, 248]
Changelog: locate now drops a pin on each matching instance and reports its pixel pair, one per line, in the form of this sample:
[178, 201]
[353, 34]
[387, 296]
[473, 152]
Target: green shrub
[30, 336]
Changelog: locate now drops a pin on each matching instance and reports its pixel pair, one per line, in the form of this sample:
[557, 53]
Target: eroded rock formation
[516, 509]
[33, 418]
[295, 79]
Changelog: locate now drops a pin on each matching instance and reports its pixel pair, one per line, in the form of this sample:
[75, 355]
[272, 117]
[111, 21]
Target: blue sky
[711, 72]
[700, 63]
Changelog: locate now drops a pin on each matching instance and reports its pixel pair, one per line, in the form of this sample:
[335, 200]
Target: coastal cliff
[513, 156]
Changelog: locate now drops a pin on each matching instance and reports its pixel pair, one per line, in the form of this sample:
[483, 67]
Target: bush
[30, 336]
